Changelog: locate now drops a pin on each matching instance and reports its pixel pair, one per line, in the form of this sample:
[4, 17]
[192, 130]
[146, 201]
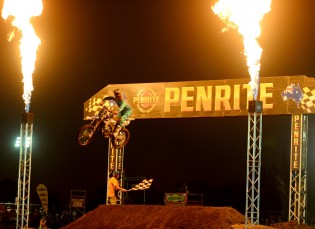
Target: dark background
[87, 45]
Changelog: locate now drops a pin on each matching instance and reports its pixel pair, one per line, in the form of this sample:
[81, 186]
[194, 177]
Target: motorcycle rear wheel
[122, 139]
[85, 135]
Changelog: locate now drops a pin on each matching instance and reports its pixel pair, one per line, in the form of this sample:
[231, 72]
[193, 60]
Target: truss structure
[253, 165]
[77, 203]
[298, 169]
[115, 163]
[24, 177]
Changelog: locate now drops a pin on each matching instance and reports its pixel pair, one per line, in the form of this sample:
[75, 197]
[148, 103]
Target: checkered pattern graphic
[93, 104]
[308, 101]
[145, 184]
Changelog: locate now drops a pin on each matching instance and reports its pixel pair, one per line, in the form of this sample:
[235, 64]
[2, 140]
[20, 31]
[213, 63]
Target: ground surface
[172, 217]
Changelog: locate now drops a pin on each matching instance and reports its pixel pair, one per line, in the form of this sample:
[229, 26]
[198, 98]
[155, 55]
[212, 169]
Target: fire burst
[20, 13]
[245, 15]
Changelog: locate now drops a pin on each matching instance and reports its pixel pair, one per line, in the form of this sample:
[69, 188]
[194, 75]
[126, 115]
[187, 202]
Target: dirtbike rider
[124, 108]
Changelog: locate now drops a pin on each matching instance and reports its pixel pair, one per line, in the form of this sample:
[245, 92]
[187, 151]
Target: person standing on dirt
[113, 186]
[124, 108]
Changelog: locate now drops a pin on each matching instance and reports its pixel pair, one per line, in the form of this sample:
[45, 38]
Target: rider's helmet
[118, 93]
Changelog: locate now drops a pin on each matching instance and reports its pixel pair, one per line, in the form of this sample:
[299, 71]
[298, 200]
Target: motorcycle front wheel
[85, 135]
[122, 139]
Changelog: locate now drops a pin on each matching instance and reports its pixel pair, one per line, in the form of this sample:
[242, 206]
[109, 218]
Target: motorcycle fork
[96, 126]
[122, 127]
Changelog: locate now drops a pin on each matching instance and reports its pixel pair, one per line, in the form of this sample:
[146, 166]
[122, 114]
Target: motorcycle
[104, 123]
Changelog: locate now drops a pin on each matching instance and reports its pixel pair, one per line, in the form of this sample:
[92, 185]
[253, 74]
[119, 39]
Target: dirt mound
[291, 225]
[154, 216]
[168, 216]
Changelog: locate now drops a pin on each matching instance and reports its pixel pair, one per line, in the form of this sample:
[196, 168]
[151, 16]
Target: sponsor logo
[146, 100]
[296, 143]
[176, 198]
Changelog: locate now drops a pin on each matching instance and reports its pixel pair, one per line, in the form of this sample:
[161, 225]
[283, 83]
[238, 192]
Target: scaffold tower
[298, 168]
[253, 163]
[115, 163]
[24, 177]
[77, 203]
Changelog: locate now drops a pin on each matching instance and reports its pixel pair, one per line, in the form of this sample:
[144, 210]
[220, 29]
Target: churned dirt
[168, 216]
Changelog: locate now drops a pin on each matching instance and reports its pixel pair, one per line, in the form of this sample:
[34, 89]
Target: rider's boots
[118, 128]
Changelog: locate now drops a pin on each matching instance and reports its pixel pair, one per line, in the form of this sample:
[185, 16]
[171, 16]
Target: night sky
[87, 45]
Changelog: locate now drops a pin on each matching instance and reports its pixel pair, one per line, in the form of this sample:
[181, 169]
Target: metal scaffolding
[77, 203]
[298, 168]
[253, 163]
[24, 177]
[115, 163]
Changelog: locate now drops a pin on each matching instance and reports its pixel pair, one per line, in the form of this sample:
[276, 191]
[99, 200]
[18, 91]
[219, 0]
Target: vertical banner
[42, 193]
[115, 159]
[115, 163]
[296, 141]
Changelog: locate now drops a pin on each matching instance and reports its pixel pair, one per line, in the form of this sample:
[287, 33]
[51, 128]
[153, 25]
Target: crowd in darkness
[55, 219]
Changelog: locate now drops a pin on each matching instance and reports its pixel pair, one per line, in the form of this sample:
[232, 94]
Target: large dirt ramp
[156, 216]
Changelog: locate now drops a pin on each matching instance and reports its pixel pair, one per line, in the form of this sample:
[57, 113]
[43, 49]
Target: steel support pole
[24, 177]
[115, 163]
[298, 168]
[253, 165]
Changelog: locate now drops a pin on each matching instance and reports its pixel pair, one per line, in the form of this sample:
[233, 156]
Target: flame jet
[245, 15]
[20, 13]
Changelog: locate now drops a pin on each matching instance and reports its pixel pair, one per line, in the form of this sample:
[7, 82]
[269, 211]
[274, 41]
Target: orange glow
[245, 16]
[21, 12]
